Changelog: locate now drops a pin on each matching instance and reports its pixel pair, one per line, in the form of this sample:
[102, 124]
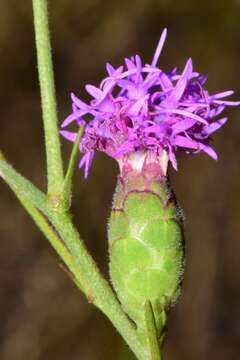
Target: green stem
[48, 98]
[67, 186]
[154, 345]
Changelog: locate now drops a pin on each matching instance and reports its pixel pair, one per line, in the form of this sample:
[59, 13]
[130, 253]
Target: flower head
[141, 112]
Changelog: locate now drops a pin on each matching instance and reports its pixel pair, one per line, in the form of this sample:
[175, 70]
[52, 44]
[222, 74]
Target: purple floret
[141, 108]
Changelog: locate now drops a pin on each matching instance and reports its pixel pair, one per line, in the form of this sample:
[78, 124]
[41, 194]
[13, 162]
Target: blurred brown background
[42, 314]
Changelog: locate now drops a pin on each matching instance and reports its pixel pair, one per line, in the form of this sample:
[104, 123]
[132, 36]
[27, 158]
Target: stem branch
[67, 185]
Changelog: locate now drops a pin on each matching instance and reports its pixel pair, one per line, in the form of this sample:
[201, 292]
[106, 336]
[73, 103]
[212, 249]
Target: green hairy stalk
[146, 248]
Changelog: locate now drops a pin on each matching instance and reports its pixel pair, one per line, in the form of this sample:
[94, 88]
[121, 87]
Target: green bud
[146, 246]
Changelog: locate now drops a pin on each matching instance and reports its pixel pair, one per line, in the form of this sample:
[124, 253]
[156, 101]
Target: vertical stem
[48, 98]
[154, 345]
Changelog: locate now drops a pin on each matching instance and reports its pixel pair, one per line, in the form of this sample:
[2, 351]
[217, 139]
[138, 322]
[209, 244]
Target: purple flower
[141, 112]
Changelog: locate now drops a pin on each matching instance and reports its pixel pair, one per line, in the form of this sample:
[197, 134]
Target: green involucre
[146, 249]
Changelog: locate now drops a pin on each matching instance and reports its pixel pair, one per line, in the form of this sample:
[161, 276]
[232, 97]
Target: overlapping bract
[142, 108]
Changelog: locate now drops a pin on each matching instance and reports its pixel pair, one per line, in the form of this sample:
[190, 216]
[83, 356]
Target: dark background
[42, 314]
